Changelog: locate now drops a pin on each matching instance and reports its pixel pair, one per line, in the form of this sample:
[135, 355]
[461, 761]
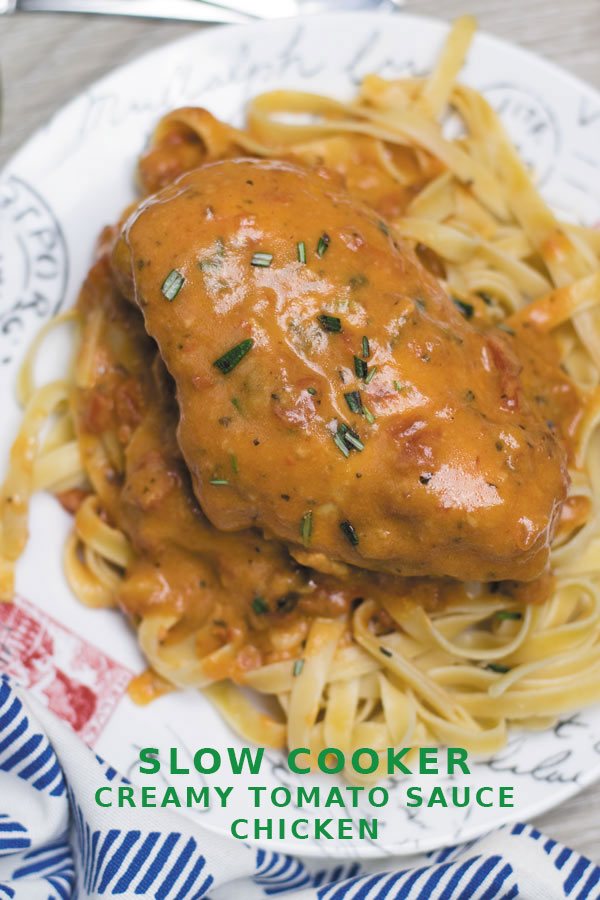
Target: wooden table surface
[46, 59]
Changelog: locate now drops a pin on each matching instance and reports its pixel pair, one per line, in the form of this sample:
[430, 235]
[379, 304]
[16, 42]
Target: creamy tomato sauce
[453, 466]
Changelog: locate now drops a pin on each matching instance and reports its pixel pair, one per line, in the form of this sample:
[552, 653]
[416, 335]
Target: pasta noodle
[460, 672]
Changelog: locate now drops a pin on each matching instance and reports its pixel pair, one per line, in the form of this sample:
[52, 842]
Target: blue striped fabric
[51, 866]
[60, 846]
[13, 835]
[23, 751]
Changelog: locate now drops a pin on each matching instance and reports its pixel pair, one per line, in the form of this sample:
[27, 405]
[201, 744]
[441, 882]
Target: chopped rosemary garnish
[506, 614]
[486, 298]
[385, 651]
[349, 533]
[301, 247]
[311, 391]
[263, 260]
[365, 347]
[229, 360]
[322, 245]
[234, 464]
[354, 402]
[467, 309]
[368, 415]
[236, 403]
[351, 438]
[219, 481]
[339, 441]
[383, 227]
[306, 527]
[172, 284]
[398, 386]
[506, 328]
[329, 323]
[347, 439]
[298, 666]
[370, 376]
[360, 367]
[259, 606]
[356, 443]
[497, 667]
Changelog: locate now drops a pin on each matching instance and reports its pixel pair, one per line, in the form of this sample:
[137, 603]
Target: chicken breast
[330, 391]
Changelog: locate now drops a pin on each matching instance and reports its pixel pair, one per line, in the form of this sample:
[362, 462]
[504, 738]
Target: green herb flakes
[172, 284]
[262, 260]
[497, 667]
[368, 415]
[360, 367]
[354, 402]
[340, 443]
[322, 245]
[229, 360]
[306, 527]
[260, 606]
[349, 533]
[467, 309]
[329, 323]
[506, 328]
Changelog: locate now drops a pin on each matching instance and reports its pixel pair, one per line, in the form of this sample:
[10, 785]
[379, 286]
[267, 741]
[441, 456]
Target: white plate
[75, 175]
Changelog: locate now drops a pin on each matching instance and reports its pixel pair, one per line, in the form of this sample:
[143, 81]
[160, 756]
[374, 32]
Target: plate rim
[443, 26]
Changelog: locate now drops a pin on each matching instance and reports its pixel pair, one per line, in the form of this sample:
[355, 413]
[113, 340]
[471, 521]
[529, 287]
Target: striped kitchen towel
[56, 844]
